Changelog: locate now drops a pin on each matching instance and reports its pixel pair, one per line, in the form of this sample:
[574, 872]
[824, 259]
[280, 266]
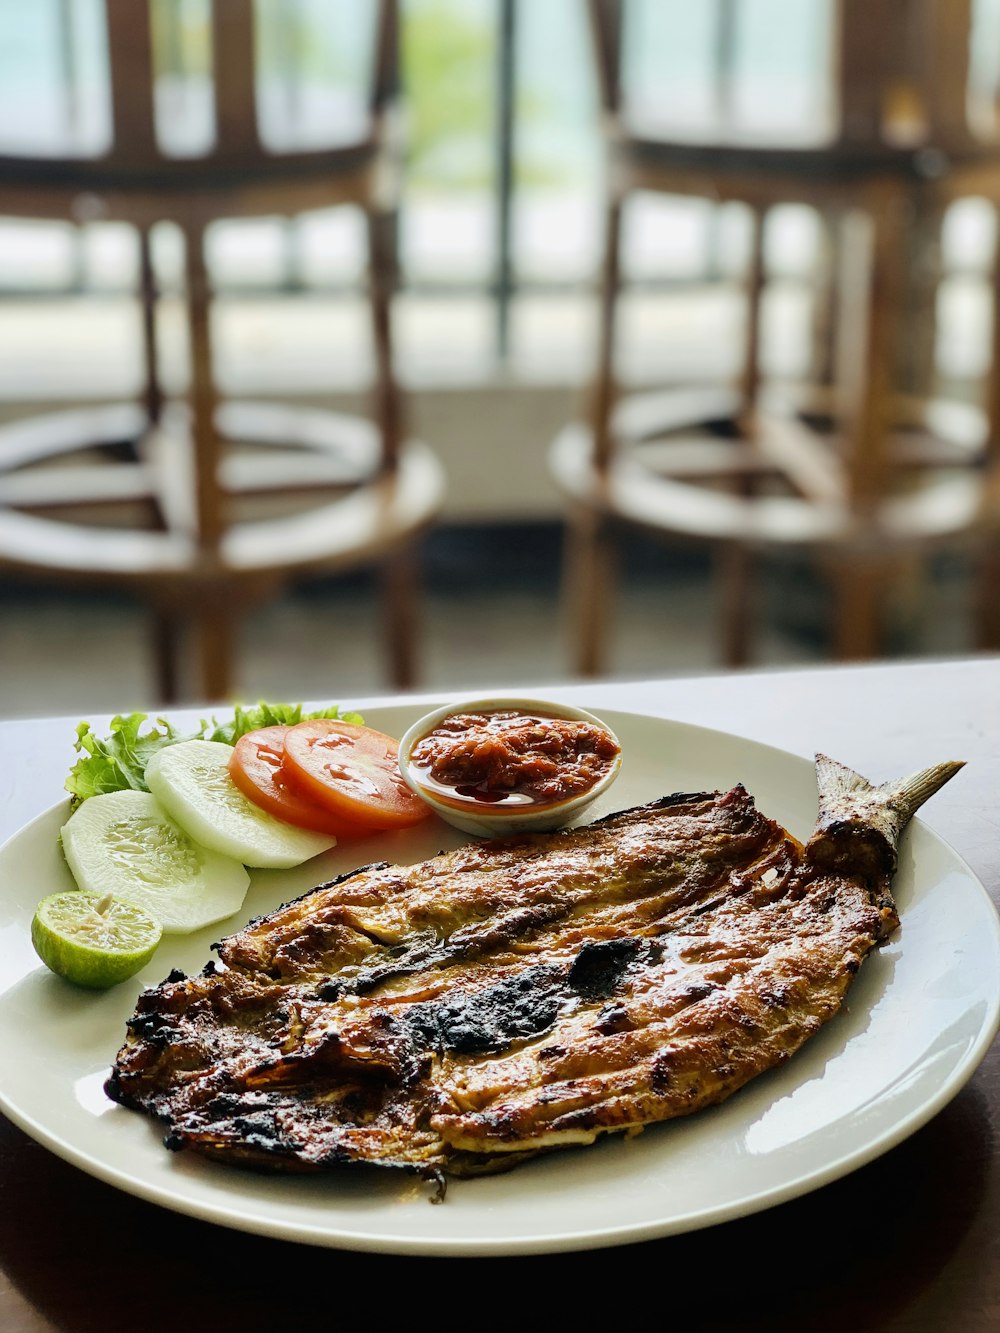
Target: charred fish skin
[508, 998]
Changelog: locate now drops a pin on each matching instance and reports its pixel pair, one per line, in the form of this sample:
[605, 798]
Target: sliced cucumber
[124, 843]
[191, 781]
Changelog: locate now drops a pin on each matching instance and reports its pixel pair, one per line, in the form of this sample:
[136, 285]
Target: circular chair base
[101, 497]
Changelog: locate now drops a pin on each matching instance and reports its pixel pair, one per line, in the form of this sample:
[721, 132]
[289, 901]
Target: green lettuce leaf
[266, 715]
[118, 762]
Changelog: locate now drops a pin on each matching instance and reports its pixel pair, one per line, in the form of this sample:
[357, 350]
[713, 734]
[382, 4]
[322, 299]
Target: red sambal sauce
[513, 757]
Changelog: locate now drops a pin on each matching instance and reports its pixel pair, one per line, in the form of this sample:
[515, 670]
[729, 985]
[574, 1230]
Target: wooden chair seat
[171, 189]
[682, 489]
[201, 506]
[365, 513]
[861, 466]
[771, 175]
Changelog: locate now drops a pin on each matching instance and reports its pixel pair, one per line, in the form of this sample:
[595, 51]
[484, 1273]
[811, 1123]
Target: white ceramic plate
[919, 1019]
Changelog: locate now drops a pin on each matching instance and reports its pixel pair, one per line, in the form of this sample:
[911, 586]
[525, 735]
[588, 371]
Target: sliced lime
[93, 940]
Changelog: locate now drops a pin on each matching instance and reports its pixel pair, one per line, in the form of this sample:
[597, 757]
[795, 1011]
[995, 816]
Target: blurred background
[499, 205]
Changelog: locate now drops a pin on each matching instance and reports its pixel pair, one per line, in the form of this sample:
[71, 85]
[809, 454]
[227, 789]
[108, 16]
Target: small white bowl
[497, 821]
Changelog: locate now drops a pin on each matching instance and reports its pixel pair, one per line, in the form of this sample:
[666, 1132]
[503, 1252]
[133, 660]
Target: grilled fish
[510, 997]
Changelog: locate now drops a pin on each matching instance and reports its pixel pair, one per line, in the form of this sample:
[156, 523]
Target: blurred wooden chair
[238, 499]
[849, 466]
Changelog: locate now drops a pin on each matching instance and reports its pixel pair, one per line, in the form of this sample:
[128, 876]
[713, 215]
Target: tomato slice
[353, 772]
[257, 768]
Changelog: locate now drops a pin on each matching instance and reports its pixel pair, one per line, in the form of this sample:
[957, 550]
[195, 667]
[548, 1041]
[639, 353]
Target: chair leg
[152, 392]
[871, 363]
[589, 577]
[387, 398]
[750, 375]
[214, 618]
[400, 595]
[204, 398]
[867, 347]
[921, 280]
[166, 654]
[399, 573]
[588, 556]
[858, 606]
[824, 312]
[604, 384]
[987, 584]
[733, 563]
[734, 571]
[988, 597]
[991, 394]
[215, 624]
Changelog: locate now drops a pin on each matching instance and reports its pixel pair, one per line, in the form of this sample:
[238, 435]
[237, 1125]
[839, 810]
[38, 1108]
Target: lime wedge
[92, 940]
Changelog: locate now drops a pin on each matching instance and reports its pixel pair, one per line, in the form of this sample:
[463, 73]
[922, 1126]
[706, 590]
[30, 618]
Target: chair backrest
[898, 72]
[903, 73]
[234, 59]
[233, 75]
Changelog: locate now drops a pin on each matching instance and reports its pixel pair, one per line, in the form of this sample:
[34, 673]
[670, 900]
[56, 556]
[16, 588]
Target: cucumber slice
[124, 843]
[191, 781]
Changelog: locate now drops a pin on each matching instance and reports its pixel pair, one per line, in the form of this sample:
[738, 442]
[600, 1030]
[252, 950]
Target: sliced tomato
[353, 772]
[257, 768]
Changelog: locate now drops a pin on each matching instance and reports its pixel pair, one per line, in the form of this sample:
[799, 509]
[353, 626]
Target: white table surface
[908, 1244]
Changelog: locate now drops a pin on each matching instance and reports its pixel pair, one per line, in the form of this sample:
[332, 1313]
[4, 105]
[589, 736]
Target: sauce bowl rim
[501, 816]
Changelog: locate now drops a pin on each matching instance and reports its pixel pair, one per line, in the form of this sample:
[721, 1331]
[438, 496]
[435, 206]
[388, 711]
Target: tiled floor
[491, 616]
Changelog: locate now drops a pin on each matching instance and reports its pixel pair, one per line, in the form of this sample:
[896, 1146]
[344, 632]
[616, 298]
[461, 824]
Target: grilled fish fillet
[510, 997]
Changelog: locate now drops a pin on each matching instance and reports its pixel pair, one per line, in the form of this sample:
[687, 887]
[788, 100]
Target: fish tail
[859, 824]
